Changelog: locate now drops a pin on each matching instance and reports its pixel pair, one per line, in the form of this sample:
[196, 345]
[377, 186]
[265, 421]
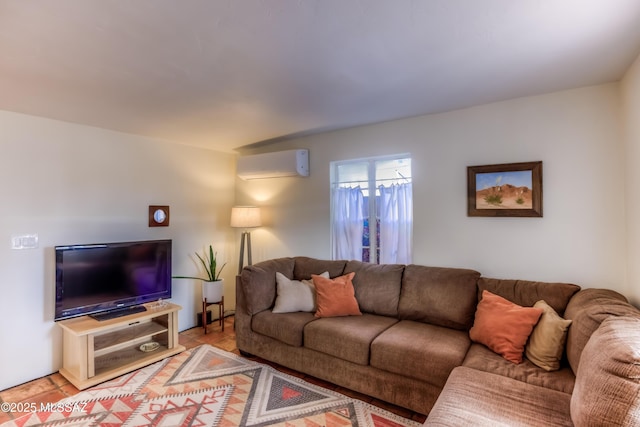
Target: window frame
[372, 205]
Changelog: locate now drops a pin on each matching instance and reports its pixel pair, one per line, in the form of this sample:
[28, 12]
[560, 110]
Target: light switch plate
[24, 241]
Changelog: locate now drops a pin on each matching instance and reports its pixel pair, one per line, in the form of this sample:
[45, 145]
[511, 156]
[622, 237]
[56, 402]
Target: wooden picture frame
[505, 190]
[159, 216]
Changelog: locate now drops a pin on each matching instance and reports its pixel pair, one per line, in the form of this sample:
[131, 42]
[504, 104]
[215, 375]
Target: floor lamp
[245, 217]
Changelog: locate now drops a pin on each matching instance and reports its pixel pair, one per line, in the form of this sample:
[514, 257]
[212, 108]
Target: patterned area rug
[206, 386]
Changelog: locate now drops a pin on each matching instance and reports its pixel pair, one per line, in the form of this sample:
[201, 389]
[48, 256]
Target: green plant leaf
[204, 264]
[221, 268]
[190, 277]
[210, 264]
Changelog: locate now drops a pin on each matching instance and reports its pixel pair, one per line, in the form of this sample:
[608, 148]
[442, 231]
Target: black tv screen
[102, 277]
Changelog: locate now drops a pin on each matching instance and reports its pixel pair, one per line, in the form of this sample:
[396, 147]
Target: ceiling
[226, 74]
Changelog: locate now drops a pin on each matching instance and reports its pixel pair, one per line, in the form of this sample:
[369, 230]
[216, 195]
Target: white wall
[77, 184]
[630, 91]
[576, 134]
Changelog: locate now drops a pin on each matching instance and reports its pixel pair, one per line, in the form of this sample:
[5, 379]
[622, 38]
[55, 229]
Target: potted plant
[211, 284]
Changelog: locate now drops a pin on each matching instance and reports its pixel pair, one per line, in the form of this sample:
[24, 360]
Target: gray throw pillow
[295, 295]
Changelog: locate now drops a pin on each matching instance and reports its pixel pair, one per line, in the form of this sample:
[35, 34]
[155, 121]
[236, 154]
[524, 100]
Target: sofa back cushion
[377, 287]
[304, 267]
[527, 293]
[440, 296]
[607, 388]
[258, 283]
[588, 308]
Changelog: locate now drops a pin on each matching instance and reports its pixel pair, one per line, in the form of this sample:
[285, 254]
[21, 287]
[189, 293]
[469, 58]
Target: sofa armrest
[607, 386]
[588, 309]
[258, 283]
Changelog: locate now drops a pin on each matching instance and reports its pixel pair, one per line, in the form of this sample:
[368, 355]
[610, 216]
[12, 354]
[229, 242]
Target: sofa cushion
[304, 267]
[258, 283]
[422, 351]
[348, 338]
[483, 359]
[377, 286]
[503, 326]
[588, 308]
[607, 390]
[477, 398]
[295, 295]
[527, 293]
[335, 297]
[440, 296]
[285, 327]
[546, 343]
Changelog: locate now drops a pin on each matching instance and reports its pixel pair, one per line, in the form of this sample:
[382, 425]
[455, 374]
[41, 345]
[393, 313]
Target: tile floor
[55, 387]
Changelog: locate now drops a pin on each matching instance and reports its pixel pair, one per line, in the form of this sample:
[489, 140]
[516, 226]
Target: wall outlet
[24, 241]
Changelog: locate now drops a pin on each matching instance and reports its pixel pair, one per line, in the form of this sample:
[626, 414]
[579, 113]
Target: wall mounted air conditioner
[274, 165]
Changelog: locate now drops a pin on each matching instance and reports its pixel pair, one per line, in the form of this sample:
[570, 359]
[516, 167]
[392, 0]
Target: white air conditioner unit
[274, 165]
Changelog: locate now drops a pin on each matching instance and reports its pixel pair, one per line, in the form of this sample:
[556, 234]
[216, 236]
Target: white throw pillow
[295, 295]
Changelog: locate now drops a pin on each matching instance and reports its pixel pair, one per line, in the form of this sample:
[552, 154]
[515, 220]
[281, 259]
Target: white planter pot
[212, 291]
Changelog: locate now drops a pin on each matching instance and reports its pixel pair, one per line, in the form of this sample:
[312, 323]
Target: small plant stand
[206, 304]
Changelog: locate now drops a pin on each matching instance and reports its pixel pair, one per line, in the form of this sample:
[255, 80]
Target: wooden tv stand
[96, 351]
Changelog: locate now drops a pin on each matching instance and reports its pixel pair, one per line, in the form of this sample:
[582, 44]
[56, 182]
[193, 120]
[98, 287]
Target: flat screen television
[109, 279]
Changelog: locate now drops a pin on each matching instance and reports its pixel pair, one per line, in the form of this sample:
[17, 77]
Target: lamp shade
[245, 217]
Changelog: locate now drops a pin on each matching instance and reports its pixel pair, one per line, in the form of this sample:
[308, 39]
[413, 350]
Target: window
[372, 210]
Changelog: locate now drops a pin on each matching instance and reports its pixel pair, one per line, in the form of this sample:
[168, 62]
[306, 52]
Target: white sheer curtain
[396, 223]
[347, 223]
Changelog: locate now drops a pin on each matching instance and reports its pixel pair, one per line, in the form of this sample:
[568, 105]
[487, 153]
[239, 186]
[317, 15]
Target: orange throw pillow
[335, 297]
[503, 326]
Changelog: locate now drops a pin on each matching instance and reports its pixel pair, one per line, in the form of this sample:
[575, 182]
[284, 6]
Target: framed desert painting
[510, 189]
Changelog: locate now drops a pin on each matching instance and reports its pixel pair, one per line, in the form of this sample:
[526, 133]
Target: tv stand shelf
[96, 351]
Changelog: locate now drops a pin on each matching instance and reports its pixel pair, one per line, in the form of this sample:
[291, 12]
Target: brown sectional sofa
[411, 346]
